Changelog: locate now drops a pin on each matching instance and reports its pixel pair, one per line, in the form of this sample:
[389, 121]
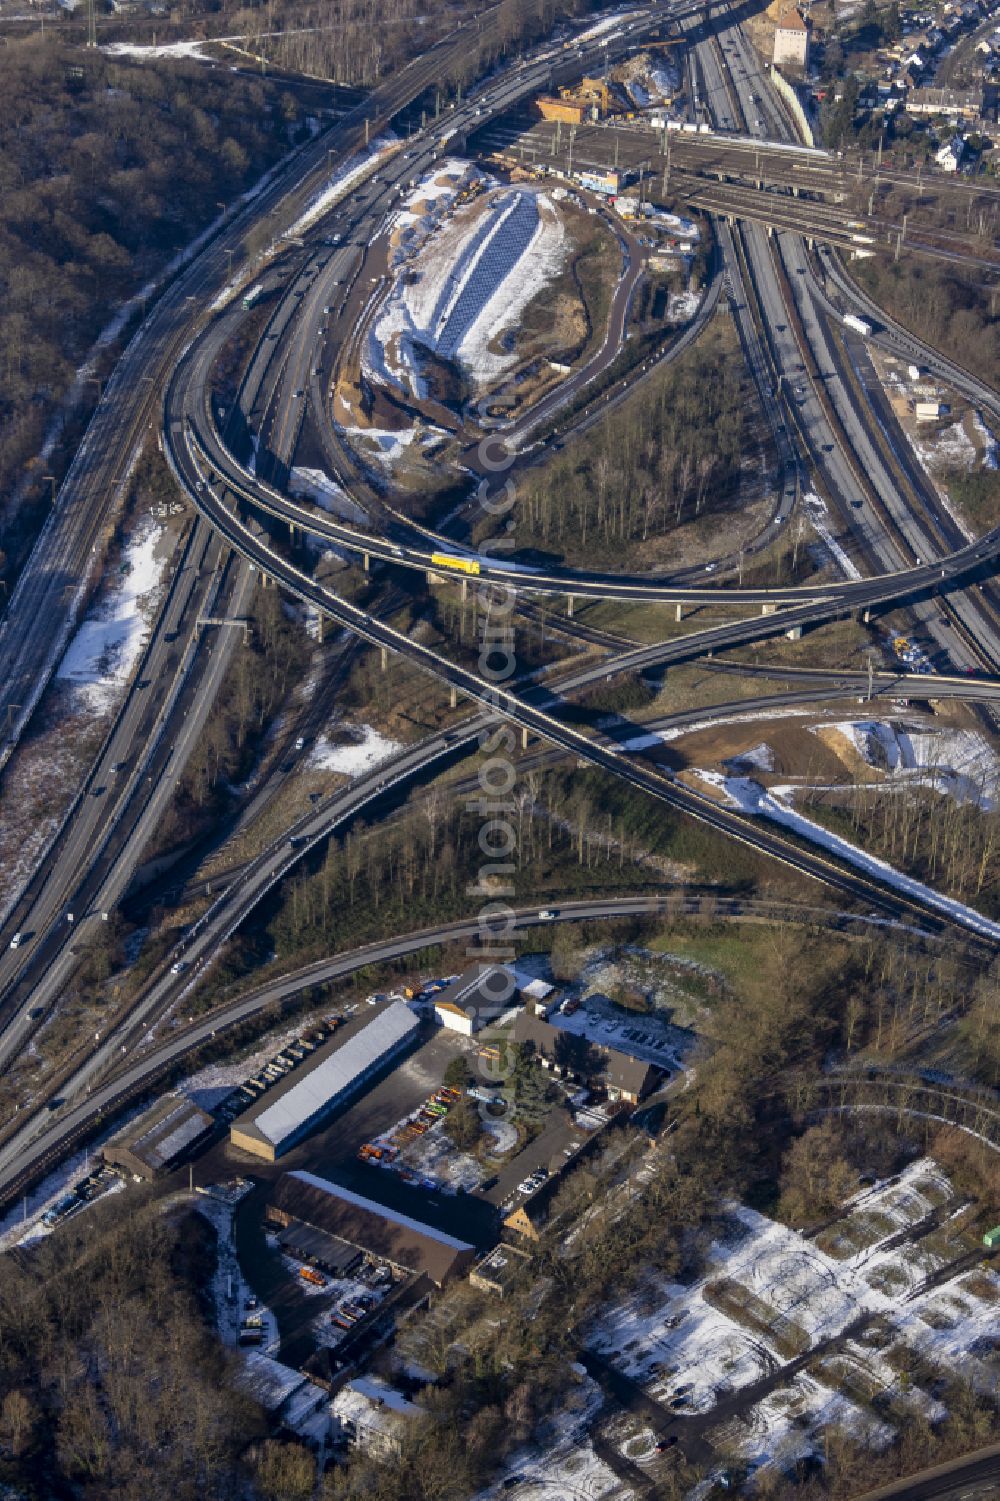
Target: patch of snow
[352, 759]
[676, 222]
[388, 447]
[101, 656]
[474, 278]
[22, 1224]
[313, 484]
[685, 1348]
[682, 306]
[653, 738]
[504, 1135]
[963, 763]
[664, 80]
[190, 50]
[761, 756]
[644, 1036]
[609, 23]
[750, 797]
[342, 181]
[211, 1084]
[819, 519]
[567, 1466]
[952, 448]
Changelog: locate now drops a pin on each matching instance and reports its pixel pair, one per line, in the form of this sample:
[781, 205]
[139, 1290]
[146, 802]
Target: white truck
[858, 324]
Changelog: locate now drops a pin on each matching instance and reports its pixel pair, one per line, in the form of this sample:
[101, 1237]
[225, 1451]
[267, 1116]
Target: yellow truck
[463, 565]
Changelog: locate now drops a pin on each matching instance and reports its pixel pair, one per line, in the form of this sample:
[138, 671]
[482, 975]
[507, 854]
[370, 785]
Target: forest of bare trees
[107, 168]
[114, 1387]
[360, 42]
[949, 843]
[955, 311]
[671, 456]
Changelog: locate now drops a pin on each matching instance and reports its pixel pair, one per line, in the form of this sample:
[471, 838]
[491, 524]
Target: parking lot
[558, 1138]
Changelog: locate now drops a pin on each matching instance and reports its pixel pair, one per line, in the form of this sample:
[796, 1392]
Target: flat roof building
[160, 1138]
[371, 1416]
[498, 1271]
[335, 1072]
[481, 994]
[406, 1244]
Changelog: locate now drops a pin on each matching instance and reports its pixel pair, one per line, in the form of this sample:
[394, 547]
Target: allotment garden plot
[874, 1314]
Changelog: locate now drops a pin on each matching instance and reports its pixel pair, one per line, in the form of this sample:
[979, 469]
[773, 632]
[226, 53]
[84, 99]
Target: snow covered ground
[352, 758]
[960, 763]
[386, 447]
[23, 1223]
[819, 519]
[650, 739]
[342, 181]
[313, 484]
[664, 79]
[562, 1464]
[191, 50]
[102, 655]
[682, 306]
[774, 803]
[771, 1292]
[605, 1024]
[952, 448]
[468, 277]
[211, 1084]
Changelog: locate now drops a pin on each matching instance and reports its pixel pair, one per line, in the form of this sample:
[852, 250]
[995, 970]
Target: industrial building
[160, 1139]
[482, 994]
[346, 1223]
[332, 1075]
[593, 100]
[791, 39]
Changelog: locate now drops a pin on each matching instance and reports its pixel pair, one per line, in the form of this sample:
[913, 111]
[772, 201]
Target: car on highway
[15, 942]
[178, 967]
[547, 914]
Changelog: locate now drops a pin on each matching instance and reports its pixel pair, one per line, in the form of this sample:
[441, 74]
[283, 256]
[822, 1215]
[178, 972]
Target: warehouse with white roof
[333, 1074]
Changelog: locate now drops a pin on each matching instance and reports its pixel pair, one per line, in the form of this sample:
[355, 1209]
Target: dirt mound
[795, 748]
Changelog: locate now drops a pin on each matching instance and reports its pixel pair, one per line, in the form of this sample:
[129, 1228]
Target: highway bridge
[913, 557]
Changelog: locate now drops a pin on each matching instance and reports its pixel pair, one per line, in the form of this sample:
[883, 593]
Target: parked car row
[352, 1310]
[281, 1064]
[533, 1182]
